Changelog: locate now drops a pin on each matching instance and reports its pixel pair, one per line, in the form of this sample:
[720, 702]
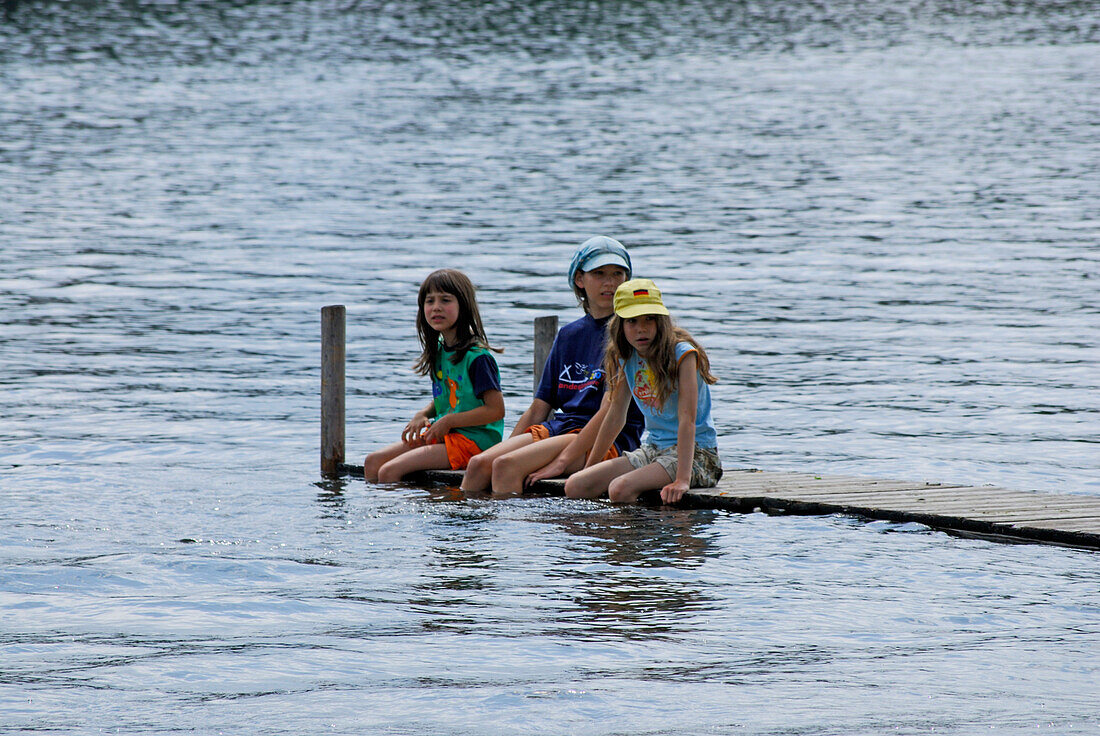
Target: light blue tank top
[660, 421]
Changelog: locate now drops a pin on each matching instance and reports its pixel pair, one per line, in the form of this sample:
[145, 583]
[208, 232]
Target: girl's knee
[619, 491]
[577, 486]
[389, 474]
[370, 467]
[479, 465]
[478, 473]
[505, 465]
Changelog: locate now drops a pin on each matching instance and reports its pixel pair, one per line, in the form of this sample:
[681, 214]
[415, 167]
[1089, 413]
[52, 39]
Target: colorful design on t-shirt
[662, 423]
[453, 391]
[446, 386]
[645, 384]
[579, 377]
[573, 382]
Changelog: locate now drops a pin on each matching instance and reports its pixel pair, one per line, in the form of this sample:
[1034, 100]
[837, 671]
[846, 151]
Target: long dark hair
[661, 358]
[468, 330]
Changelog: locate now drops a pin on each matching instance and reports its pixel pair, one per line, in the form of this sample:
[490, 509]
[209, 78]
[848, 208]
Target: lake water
[882, 221]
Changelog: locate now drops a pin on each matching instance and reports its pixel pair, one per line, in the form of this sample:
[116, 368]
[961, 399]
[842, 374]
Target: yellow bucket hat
[637, 297]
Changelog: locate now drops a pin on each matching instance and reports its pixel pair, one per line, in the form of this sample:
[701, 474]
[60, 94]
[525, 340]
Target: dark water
[881, 219]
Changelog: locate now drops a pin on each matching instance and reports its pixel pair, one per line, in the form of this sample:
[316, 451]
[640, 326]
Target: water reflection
[331, 498]
[629, 583]
[460, 564]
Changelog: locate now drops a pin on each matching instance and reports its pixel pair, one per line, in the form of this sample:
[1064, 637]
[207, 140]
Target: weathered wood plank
[1023, 514]
[988, 512]
[816, 483]
[1004, 510]
[1092, 526]
[948, 499]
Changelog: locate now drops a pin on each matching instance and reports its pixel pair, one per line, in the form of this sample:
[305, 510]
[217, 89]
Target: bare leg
[592, 482]
[627, 488]
[428, 457]
[510, 470]
[378, 458]
[479, 473]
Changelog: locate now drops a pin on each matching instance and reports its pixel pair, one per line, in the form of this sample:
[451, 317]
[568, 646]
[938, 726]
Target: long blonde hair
[661, 358]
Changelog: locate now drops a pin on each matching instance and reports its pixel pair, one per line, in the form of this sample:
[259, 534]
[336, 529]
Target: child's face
[599, 286]
[640, 332]
[441, 313]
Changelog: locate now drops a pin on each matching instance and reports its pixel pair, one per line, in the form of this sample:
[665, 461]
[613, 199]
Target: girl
[466, 414]
[668, 375]
[545, 444]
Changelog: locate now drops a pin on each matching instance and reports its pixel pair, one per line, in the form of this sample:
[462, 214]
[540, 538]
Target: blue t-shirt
[661, 422]
[573, 382]
[484, 375]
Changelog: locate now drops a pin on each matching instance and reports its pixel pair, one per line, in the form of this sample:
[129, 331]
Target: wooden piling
[333, 320]
[546, 329]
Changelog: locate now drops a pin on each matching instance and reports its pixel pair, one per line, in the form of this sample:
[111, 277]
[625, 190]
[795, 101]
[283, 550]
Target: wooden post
[546, 329]
[332, 388]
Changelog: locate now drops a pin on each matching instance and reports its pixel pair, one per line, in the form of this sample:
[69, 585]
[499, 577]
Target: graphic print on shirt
[644, 387]
[579, 377]
[452, 388]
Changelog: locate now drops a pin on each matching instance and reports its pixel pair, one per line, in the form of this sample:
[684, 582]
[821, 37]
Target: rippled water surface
[882, 220]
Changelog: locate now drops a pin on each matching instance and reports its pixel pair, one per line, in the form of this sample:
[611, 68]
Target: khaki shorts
[706, 466]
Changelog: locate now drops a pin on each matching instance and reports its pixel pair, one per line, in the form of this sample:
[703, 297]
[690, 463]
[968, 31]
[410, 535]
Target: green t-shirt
[455, 388]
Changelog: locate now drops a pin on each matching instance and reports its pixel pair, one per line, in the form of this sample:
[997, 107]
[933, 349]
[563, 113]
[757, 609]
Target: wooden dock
[979, 511]
[982, 511]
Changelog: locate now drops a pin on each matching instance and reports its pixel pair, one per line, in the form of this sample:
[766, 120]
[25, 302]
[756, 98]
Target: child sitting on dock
[667, 374]
[572, 385]
[466, 414]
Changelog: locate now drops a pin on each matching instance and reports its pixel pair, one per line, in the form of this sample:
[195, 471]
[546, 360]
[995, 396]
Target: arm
[535, 414]
[612, 423]
[546, 394]
[575, 450]
[488, 412]
[688, 381]
[414, 430]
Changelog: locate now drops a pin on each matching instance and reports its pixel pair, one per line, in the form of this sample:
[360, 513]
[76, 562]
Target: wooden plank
[753, 478]
[948, 500]
[1018, 509]
[789, 481]
[978, 512]
[1025, 514]
[776, 486]
[965, 493]
[865, 498]
[989, 513]
[1092, 526]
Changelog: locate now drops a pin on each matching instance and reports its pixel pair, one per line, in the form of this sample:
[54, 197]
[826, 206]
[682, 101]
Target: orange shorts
[460, 449]
[540, 432]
